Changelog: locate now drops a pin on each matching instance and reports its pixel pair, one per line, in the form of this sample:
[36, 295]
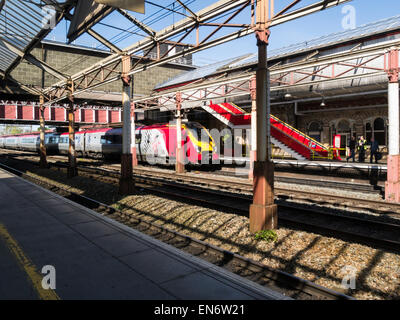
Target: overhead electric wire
[152, 22]
[163, 15]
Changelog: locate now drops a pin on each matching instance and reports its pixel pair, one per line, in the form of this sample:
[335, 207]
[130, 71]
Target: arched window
[344, 130]
[376, 129]
[380, 131]
[343, 127]
[314, 130]
[368, 132]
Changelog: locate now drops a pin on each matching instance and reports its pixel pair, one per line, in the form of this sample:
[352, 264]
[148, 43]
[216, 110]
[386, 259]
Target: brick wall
[70, 60]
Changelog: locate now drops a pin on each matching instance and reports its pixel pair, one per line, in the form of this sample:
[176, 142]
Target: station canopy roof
[368, 30]
[23, 24]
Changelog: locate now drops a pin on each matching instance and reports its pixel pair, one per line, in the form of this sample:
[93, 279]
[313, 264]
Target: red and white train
[155, 143]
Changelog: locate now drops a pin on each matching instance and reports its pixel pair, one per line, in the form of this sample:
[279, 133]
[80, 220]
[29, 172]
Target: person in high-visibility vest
[361, 149]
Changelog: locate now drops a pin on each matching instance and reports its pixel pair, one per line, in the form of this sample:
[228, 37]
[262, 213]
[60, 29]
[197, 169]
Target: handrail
[299, 132]
[300, 142]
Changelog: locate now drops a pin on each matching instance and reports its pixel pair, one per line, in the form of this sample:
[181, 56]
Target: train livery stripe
[27, 265]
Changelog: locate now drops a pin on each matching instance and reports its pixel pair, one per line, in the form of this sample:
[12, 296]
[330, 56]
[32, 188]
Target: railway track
[286, 283]
[243, 186]
[376, 234]
[320, 220]
[299, 179]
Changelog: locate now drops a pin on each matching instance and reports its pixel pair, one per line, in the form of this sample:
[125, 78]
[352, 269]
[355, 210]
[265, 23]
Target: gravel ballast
[323, 260]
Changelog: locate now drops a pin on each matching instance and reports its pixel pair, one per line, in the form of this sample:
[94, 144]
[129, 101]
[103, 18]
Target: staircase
[288, 150]
[289, 139]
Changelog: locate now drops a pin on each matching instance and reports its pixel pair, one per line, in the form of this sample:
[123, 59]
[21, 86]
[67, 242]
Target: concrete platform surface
[52, 248]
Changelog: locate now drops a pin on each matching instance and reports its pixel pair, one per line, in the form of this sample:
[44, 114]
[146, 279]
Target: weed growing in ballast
[267, 235]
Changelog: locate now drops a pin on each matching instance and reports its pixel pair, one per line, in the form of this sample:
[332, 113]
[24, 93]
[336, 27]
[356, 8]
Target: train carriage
[11, 142]
[157, 143]
[29, 142]
[154, 144]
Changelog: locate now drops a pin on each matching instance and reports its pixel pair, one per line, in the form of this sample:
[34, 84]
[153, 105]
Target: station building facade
[352, 101]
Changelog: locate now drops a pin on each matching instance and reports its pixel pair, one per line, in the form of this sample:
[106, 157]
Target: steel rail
[288, 212]
[342, 202]
[239, 204]
[377, 206]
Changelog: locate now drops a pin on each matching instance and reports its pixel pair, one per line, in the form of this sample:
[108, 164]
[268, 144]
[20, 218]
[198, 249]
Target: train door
[78, 142]
[97, 143]
[88, 143]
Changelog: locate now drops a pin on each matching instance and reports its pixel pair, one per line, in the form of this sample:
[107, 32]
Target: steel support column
[42, 148]
[392, 186]
[179, 166]
[72, 169]
[253, 135]
[133, 136]
[126, 185]
[263, 211]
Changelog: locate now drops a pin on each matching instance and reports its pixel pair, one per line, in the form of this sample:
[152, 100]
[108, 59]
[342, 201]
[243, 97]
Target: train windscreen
[111, 139]
[199, 132]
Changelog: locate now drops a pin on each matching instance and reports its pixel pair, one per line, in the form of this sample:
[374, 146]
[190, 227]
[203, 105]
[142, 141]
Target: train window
[106, 140]
[110, 139]
[199, 132]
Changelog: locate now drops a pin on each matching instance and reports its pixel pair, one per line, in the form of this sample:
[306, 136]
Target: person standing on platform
[374, 150]
[361, 149]
[352, 147]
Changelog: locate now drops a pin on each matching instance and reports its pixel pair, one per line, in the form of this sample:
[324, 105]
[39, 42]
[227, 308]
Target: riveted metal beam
[104, 41]
[137, 22]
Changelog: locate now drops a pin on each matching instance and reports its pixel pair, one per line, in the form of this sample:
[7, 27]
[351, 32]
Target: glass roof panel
[21, 22]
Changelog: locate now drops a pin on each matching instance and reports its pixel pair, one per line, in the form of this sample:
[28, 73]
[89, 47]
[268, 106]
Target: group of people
[361, 146]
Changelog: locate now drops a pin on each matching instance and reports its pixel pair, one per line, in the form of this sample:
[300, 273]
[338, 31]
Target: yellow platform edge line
[27, 265]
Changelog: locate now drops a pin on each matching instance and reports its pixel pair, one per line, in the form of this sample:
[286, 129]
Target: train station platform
[366, 166]
[53, 248]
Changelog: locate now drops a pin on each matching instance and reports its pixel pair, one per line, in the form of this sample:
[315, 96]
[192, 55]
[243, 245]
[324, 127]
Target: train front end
[204, 150]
